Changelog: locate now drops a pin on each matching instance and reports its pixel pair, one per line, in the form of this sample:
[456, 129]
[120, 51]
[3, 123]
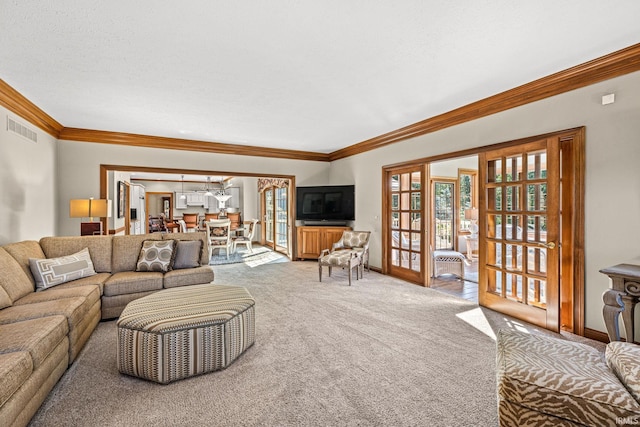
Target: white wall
[79, 164]
[27, 184]
[449, 168]
[612, 169]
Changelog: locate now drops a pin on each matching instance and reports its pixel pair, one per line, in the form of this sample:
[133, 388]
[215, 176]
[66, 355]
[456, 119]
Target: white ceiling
[298, 74]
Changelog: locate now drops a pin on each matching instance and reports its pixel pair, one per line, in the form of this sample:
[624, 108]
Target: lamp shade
[471, 214]
[79, 208]
[88, 208]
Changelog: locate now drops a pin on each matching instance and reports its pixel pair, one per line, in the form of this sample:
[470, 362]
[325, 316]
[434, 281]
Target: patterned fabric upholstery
[156, 255]
[181, 332]
[355, 240]
[548, 381]
[624, 360]
[345, 258]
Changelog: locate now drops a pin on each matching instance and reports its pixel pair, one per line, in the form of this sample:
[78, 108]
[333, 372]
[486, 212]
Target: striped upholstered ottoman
[181, 332]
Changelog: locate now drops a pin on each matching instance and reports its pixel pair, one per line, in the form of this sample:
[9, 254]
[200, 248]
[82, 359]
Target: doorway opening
[109, 185]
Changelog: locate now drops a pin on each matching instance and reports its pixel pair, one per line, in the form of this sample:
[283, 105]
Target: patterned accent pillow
[188, 254]
[55, 271]
[623, 359]
[156, 255]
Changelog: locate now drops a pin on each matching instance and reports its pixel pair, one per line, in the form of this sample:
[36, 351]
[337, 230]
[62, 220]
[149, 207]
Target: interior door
[519, 231]
[404, 206]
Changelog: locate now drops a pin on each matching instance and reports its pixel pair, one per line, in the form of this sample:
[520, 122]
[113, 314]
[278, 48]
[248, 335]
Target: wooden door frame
[291, 222]
[572, 263]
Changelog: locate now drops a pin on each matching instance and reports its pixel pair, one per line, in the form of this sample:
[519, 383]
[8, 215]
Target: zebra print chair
[547, 381]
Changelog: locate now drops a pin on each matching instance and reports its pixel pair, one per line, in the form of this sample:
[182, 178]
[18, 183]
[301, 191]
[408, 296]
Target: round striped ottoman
[181, 332]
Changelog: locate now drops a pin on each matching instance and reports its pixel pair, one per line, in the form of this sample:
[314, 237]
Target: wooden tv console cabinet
[311, 240]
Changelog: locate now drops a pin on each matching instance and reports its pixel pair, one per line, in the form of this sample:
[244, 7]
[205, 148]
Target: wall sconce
[90, 208]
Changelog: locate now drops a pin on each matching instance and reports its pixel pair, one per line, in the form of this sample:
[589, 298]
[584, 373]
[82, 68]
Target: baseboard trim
[596, 335]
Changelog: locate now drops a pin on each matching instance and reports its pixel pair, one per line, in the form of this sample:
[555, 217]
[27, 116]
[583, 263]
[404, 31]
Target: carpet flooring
[382, 352]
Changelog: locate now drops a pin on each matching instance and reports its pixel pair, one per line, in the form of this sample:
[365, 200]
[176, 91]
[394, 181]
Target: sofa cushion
[97, 280]
[5, 300]
[89, 292]
[56, 271]
[190, 276]
[624, 360]
[38, 337]
[187, 254]
[126, 250]
[15, 369]
[199, 235]
[560, 378]
[74, 309]
[131, 282]
[156, 255]
[100, 249]
[13, 280]
[21, 252]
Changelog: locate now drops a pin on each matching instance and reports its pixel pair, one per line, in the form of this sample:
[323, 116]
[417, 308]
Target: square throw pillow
[188, 254]
[156, 255]
[55, 271]
[622, 358]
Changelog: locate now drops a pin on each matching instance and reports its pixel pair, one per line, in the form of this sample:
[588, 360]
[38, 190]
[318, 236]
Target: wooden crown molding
[616, 64]
[15, 102]
[118, 138]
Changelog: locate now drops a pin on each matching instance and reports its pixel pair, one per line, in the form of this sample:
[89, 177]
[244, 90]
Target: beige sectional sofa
[42, 332]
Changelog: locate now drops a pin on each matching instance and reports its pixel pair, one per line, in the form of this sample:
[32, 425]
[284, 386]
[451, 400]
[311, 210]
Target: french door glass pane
[281, 207]
[444, 215]
[268, 198]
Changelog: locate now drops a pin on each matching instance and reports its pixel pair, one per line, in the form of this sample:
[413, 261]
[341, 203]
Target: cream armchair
[355, 241]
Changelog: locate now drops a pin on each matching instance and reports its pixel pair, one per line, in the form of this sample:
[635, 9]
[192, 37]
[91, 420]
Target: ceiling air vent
[22, 130]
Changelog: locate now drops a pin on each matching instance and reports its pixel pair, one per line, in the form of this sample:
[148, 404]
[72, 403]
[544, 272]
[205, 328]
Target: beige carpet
[379, 353]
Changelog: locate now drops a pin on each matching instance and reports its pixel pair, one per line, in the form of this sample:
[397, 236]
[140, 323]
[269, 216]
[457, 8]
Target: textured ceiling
[298, 74]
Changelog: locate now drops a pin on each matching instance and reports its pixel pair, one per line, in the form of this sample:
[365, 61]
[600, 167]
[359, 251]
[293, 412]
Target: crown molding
[616, 64]
[15, 102]
[118, 138]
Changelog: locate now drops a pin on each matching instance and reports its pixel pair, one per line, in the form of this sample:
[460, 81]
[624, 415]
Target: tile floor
[467, 289]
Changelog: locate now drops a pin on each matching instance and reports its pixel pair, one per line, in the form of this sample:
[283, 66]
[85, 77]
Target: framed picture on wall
[121, 191]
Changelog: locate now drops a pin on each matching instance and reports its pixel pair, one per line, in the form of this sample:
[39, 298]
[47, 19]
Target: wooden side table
[621, 298]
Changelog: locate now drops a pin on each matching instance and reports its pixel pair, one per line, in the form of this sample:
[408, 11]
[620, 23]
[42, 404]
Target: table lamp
[471, 214]
[90, 208]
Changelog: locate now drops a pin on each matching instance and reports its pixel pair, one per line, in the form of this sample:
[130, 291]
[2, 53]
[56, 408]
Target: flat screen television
[327, 203]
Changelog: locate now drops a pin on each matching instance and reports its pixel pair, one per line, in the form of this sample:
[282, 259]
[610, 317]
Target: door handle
[550, 245]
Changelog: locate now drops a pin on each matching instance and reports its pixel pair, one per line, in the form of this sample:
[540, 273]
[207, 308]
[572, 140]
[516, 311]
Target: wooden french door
[276, 219]
[404, 204]
[519, 231]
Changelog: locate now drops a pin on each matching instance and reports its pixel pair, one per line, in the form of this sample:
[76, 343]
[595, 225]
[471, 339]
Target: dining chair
[219, 232]
[191, 220]
[246, 238]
